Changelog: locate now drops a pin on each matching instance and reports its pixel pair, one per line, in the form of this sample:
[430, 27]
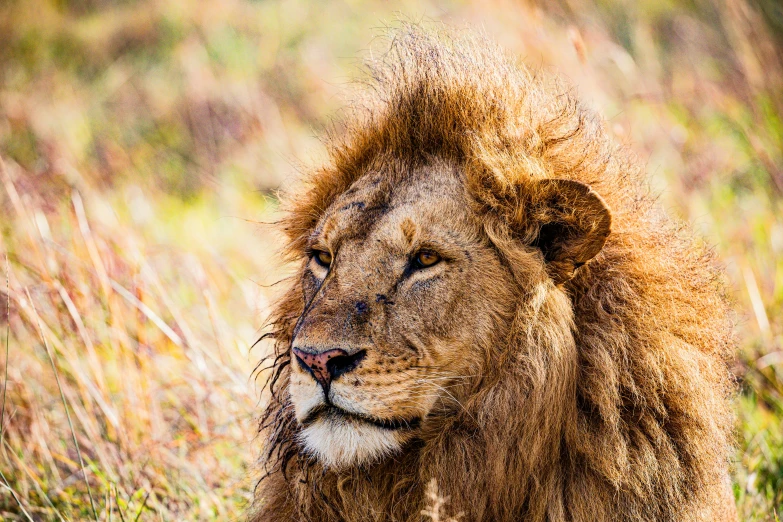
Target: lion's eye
[323, 258]
[426, 258]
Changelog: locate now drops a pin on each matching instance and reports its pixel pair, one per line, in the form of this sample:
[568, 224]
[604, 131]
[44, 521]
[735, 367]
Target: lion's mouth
[339, 413]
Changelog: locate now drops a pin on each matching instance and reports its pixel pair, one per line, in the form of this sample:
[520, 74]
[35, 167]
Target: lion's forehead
[388, 211]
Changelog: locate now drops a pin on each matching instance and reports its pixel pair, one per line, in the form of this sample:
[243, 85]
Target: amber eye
[426, 258]
[322, 257]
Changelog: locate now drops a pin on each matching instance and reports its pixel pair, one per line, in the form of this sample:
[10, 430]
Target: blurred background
[144, 143]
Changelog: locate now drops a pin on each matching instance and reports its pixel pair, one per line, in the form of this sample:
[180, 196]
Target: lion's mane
[640, 429]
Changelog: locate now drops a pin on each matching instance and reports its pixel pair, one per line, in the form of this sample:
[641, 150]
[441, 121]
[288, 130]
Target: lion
[488, 296]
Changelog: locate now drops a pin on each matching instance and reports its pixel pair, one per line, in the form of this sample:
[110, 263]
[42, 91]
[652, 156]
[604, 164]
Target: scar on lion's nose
[329, 365]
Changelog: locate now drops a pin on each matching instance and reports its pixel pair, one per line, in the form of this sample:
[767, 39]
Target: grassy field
[143, 144]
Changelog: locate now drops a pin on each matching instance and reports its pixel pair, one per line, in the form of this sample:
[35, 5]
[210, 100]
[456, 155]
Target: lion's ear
[573, 224]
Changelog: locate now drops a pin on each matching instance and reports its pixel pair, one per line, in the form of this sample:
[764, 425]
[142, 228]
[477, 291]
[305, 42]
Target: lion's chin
[339, 441]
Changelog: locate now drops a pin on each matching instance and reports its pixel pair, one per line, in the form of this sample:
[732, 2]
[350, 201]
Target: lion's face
[403, 294]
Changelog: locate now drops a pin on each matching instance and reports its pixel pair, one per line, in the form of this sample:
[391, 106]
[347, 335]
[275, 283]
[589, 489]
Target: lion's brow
[408, 230]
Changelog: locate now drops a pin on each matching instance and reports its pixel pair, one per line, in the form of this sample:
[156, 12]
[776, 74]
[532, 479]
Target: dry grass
[157, 402]
[436, 510]
[142, 140]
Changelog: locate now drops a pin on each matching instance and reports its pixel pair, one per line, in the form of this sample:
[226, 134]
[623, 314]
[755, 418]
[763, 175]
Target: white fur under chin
[340, 442]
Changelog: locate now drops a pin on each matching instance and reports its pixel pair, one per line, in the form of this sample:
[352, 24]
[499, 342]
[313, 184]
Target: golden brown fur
[568, 392]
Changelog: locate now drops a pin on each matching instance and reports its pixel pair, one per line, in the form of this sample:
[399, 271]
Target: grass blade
[141, 509]
[117, 501]
[7, 337]
[13, 494]
[65, 405]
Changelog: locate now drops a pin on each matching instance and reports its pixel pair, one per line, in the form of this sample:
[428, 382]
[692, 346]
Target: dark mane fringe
[277, 422]
[651, 432]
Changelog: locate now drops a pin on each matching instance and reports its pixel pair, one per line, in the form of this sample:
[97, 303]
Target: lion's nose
[329, 365]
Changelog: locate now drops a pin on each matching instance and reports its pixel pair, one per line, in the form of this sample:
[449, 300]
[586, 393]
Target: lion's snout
[327, 365]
